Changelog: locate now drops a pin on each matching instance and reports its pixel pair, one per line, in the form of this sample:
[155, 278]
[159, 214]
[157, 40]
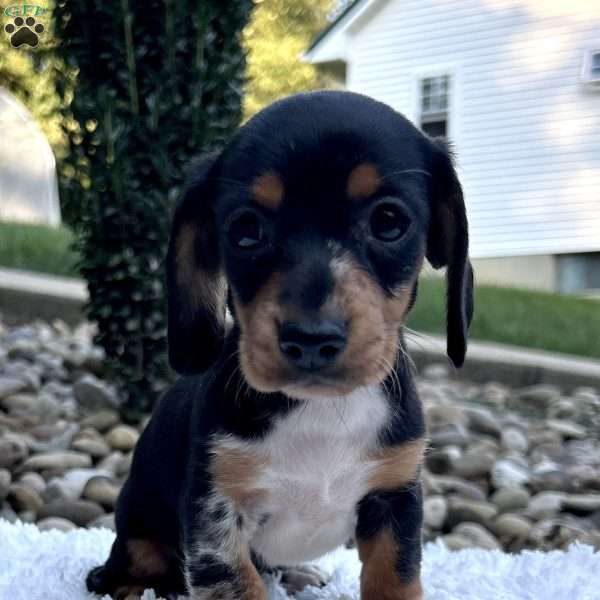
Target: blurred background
[102, 106]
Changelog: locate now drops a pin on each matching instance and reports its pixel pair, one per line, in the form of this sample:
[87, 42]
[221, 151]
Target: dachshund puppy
[297, 427]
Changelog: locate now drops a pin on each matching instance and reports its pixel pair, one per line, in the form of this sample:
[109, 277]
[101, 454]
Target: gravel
[507, 468]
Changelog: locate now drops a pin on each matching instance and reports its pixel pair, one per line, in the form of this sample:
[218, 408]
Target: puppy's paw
[98, 581]
[295, 579]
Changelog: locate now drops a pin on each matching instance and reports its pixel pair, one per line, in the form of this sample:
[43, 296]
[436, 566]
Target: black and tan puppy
[298, 427]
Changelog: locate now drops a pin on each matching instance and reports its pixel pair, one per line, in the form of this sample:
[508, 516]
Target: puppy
[297, 427]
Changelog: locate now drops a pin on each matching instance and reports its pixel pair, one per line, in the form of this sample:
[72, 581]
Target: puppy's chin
[309, 387]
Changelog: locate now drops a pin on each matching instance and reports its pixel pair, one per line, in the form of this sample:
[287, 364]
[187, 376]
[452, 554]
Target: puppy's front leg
[217, 562]
[388, 536]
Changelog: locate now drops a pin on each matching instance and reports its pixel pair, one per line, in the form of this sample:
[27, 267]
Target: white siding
[526, 131]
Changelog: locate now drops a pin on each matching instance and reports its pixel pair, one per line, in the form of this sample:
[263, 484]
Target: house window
[435, 103]
[579, 273]
[591, 67]
[595, 66]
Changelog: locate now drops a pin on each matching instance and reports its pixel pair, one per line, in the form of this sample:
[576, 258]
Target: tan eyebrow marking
[268, 190]
[363, 181]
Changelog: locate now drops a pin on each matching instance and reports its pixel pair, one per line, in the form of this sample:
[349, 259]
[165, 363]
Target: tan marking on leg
[236, 473]
[252, 583]
[247, 585]
[148, 558]
[363, 181]
[396, 466]
[379, 579]
[268, 190]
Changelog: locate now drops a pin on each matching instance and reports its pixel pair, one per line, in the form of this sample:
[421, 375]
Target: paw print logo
[24, 31]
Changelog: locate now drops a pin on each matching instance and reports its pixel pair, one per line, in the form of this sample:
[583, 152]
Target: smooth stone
[8, 514]
[555, 480]
[482, 420]
[94, 394]
[542, 437]
[450, 435]
[479, 536]
[441, 461]
[507, 473]
[71, 485]
[13, 449]
[27, 516]
[58, 442]
[124, 465]
[435, 509]
[473, 464]
[584, 477]
[102, 490]
[563, 409]
[23, 498]
[50, 523]
[445, 414]
[102, 420]
[460, 510]
[436, 371]
[80, 512]
[509, 499]
[581, 503]
[455, 542]
[42, 405]
[122, 437]
[538, 396]
[494, 394]
[57, 461]
[549, 534]
[510, 527]
[5, 480]
[514, 439]
[112, 463]
[103, 522]
[567, 429]
[34, 481]
[95, 448]
[19, 403]
[446, 484]
[10, 386]
[545, 505]
[23, 347]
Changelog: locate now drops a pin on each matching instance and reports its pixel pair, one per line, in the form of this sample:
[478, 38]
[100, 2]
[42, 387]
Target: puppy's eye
[246, 232]
[389, 223]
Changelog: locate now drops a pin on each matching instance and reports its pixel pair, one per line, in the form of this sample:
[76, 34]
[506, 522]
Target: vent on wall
[591, 67]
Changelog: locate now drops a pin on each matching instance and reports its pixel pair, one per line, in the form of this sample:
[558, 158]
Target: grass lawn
[510, 316]
[520, 317]
[37, 248]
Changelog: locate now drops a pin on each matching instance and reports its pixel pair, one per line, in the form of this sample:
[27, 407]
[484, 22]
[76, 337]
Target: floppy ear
[196, 287]
[448, 246]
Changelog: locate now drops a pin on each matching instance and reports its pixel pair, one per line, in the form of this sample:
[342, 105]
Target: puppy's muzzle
[312, 346]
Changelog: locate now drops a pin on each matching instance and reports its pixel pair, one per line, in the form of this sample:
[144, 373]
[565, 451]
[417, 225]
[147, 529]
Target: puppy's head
[315, 221]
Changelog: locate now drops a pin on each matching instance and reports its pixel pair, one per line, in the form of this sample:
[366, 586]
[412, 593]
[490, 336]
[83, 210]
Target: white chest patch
[316, 472]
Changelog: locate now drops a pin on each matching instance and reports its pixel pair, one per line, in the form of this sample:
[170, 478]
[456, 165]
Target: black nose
[311, 346]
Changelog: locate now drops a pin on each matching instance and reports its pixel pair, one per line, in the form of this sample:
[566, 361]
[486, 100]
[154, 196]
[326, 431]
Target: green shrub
[157, 82]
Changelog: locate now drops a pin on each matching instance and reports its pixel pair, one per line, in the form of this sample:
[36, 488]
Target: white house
[515, 84]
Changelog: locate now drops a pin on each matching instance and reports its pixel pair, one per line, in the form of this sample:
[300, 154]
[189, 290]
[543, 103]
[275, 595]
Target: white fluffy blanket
[52, 566]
